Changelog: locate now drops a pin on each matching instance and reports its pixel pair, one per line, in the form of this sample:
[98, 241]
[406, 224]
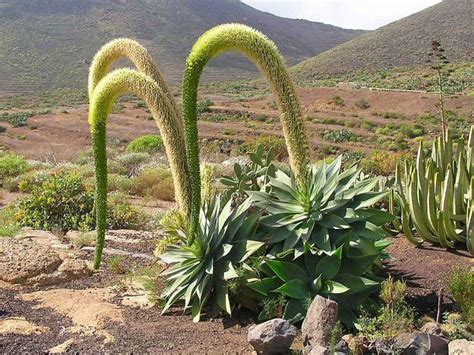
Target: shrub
[119, 183]
[129, 164]
[60, 203]
[12, 165]
[392, 318]
[340, 136]
[9, 227]
[116, 264]
[274, 143]
[146, 144]
[204, 106]
[3, 129]
[382, 163]
[461, 285]
[154, 182]
[121, 214]
[362, 104]
[337, 100]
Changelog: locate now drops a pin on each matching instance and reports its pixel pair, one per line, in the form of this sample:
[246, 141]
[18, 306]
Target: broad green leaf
[294, 289]
[287, 271]
[329, 266]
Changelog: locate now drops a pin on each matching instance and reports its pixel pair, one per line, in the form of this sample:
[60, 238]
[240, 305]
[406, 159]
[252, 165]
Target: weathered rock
[273, 336]
[319, 322]
[62, 348]
[432, 328]
[420, 343]
[20, 326]
[319, 350]
[359, 344]
[342, 347]
[23, 259]
[461, 347]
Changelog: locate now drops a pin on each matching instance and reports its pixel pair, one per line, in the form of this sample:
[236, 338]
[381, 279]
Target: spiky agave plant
[330, 207]
[435, 194]
[150, 86]
[200, 273]
[264, 53]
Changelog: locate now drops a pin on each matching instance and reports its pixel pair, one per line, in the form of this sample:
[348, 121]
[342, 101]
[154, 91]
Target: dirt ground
[61, 136]
[118, 328]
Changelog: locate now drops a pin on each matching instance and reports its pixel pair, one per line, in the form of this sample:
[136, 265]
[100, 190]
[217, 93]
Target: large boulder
[319, 322]
[461, 347]
[432, 328]
[272, 337]
[418, 343]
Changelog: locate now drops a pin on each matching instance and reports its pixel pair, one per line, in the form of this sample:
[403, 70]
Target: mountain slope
[46, 44]
[402, 43]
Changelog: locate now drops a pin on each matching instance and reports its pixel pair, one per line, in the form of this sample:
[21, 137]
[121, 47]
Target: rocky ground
[51, 300]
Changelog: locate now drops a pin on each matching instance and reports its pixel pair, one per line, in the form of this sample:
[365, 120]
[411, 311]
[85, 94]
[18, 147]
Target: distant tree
[438, 61]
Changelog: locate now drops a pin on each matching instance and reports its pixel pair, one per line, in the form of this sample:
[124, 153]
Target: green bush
[8, 225]
[12, 165]
[340, 136]
[154, 182]
[337, 100]
[392, 318]
[121, 214]
[461, 285]
[146, 144]
[362, 104]
[274, 143]
[60, 203]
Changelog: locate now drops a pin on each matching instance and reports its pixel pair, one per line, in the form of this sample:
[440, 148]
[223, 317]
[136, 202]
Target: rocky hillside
[47, 44]
[402, 43]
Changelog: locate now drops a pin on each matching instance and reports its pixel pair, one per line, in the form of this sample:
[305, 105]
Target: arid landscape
[334, 215]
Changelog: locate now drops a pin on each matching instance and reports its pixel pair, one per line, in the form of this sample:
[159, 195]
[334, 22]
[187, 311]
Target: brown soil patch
[425, 269]
[20, 326]
[88, 308]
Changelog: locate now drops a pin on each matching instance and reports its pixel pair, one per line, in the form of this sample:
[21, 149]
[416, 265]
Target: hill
[46, 44]
[400, 44]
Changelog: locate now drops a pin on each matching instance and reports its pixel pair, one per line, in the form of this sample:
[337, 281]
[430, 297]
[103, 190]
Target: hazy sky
[360, 14]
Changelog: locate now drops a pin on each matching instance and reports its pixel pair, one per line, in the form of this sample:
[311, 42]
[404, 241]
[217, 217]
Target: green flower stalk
[264, 53]
[137, 54]
[103, 96]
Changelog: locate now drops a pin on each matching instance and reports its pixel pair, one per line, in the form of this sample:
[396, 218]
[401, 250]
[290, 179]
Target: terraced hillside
[46, 44]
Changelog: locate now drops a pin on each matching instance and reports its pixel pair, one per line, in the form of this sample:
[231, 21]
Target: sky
[356, 14]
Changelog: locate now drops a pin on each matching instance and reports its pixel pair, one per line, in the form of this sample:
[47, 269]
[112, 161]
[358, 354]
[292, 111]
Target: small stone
[461, 347]
[62, 348]
[420, 343]
[431, 328]
[342, 347]
[319, 350]
[319, 322]
[347, 338]
[273, 336]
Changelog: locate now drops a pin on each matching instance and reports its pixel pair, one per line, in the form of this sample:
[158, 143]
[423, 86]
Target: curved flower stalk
[264, 53]
[137, 54]
[111, 86]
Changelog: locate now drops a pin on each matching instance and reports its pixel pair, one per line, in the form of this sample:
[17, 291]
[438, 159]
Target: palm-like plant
[200, 273]
[329, 207]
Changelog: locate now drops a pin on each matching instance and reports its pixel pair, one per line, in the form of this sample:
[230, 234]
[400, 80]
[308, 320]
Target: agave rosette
[328, 209]
[200, 273]
[340, 277]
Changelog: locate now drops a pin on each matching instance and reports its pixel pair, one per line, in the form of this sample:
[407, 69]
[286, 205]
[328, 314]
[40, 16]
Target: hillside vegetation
[47, 44]
[402, 43]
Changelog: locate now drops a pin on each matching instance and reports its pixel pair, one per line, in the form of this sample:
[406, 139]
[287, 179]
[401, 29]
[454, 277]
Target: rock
[319, 322]
[20, 326]
[319, 350]
[23, 259]
[342, 347]
[347, 338]
[420, 343]
[273, 336]
[358, 345]
[461, 347]
[62, 348]
[432, 328]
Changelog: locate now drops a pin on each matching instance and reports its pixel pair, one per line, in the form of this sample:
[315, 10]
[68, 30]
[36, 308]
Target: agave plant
[200, 273]
[436, 194]
[337, 275]
[330, 206]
